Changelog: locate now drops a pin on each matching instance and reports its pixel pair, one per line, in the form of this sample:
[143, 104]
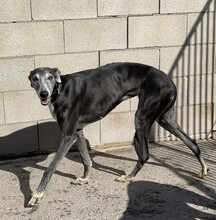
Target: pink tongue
[44, 101]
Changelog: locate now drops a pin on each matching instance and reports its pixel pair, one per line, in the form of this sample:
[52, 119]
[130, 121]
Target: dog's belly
[126, 97]
[96, 114]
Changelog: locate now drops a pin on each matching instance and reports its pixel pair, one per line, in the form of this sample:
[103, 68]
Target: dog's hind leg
[86, 160]
[149, 107]
[142, 126]
[168, 121]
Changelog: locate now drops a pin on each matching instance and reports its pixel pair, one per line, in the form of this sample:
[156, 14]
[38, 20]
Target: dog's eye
[50, 78]
[35, 79]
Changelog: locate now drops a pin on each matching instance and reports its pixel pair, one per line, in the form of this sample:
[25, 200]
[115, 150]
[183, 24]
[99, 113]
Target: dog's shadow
[32, 161]
[18, 168]
[150, 200]
[97, 155]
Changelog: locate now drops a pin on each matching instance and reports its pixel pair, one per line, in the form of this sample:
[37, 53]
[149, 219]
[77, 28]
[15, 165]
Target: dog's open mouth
[44, 101]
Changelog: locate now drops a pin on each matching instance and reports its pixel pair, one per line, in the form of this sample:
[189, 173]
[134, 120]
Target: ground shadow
[18, 168]
[50, 139]
[180, 160]
[149, 200]
[160, 154]
[94, 154]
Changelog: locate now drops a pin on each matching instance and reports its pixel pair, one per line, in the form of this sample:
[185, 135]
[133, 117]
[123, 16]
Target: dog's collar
[56, 92]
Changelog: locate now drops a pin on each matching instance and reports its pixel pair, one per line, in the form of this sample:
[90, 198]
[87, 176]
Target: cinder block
[18, 10]
[200, 119]
[187, 60]
[174, 61]
[201, 59]
[69, 63]
[14, 74]
[1, 109]
[202, 32]
[19, 39]
[24, 106]
[117, 127]
[92, 133]
[134, 103]
[95, 34]
[18, 138]
[157, 30]
[182, 90]
[122, 107]
[49, 135]
[149, 57]
[64, 9]
[185, 6]
[201, 87]
[126, 7]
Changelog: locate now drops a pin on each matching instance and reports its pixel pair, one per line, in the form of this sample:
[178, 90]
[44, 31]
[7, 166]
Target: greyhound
[78, 99]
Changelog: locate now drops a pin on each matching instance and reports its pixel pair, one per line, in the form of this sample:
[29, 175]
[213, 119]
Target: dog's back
[100, 90]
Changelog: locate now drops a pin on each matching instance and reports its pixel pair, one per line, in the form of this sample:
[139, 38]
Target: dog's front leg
[67, 142]
[86, 160]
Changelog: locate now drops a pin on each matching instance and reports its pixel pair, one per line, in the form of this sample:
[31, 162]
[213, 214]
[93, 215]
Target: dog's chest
[52, 111]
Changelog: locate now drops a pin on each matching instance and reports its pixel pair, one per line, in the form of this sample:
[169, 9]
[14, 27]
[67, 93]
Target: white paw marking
[203, 172]
[35, 198]
[124, 179]
[80, 181]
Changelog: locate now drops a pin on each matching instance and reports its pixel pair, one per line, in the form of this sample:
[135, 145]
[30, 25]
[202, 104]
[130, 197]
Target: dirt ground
[166, 188]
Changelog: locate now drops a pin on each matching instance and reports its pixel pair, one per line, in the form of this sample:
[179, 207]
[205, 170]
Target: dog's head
[44, 80]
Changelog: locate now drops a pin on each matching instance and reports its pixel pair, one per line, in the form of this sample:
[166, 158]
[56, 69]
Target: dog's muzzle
[44, 97]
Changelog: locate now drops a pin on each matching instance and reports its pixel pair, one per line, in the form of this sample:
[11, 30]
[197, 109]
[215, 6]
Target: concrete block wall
[75, 35]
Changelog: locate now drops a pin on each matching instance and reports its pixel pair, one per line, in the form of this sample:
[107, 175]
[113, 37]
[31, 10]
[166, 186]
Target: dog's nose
[44, 94]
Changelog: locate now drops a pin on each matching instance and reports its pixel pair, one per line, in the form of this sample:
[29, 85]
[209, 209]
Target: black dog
[78, 99]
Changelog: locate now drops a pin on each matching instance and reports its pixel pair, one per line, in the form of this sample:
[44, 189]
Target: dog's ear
[29, 77]
[57, 74]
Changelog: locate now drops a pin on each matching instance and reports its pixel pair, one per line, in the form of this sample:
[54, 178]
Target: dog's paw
[80, 181]
[35, 199]
[203, 172]
[124, 179]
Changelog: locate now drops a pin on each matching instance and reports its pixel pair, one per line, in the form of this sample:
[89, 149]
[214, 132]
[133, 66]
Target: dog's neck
[56, 92]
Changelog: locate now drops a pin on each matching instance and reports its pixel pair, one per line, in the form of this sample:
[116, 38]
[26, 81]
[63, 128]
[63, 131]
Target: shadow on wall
[43, 137]
[193, 72]
[149, 200]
